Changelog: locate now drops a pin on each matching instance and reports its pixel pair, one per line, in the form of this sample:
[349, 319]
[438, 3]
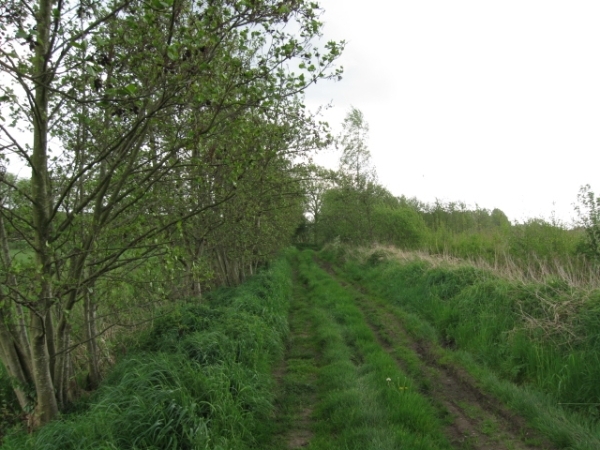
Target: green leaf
[22, 34]
[172, 53]
[91, 70]
[131, 89]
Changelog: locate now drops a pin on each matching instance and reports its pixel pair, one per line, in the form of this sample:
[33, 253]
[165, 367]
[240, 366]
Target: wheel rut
[475, 420]
[295, 378]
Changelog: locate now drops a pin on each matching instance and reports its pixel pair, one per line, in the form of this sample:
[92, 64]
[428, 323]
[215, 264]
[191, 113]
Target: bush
[399, 226]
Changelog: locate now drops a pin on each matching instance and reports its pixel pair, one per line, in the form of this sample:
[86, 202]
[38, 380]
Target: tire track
[475, 419]
[296, 379]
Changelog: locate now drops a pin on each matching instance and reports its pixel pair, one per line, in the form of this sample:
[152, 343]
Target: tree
[400, 226]
[357, 175]
[588, 210]
[499, 219]
[355, 161]
[316, 181]
[124, 100]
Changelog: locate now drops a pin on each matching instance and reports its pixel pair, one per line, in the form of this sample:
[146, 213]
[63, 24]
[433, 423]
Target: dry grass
[577, 273]
[562, 287]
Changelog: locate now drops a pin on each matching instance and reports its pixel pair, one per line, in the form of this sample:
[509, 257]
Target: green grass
[358, 408]
[504, 334]
[21, 254]
[246, 367]
[298, 375]
[543, 335]
[199, 379]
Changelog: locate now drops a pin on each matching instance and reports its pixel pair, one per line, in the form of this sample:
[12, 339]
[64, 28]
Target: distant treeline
[365, 214]
[349, 205]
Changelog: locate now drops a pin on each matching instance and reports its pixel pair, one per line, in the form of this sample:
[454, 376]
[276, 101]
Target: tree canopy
[154, 126]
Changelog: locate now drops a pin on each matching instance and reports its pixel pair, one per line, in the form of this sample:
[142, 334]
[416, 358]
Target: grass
[199, 379]
[297, 376]
[533, 345]
[543, 334]
[336, 367]
[575, 271]
[21, 256]
[358, 408]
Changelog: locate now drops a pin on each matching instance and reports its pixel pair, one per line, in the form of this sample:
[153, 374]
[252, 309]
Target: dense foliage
[161, 133]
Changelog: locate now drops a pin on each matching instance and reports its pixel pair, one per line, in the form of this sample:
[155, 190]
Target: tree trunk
[14, 344]
[90, 336]
[15, 363]
[60, 362]
[47, 407]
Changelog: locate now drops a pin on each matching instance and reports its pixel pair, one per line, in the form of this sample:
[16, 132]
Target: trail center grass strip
[364, 400]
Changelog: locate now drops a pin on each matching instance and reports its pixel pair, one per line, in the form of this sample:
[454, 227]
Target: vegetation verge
[199, 379]
[540, 339]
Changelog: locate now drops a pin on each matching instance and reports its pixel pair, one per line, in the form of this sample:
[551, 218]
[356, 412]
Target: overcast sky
[488, 102]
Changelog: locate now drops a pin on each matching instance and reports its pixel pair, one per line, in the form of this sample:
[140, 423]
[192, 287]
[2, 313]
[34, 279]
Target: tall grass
[199, 379]
[541, 333]
[577, 272]
[535, 248]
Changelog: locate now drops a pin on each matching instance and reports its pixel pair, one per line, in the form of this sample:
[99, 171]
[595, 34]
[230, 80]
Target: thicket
[478, 233]
[372, 215]
[543, 334]
[354, 216]
[200, 378]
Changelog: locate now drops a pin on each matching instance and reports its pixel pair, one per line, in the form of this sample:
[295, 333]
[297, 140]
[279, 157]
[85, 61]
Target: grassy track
[362, 373]
[482, 409]
[475, 420]
[355, 394]
[296, 377]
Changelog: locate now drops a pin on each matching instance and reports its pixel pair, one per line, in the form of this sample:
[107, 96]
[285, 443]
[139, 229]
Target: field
[351, 350]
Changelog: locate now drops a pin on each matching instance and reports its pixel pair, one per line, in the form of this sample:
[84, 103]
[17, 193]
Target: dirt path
[475, 419]
[296, 379]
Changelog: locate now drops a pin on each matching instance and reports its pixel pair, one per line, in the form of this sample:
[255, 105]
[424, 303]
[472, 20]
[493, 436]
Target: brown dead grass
[557, 315]
[575, 272]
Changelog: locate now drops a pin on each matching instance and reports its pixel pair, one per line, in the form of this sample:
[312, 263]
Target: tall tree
[588, 211]
[355, 161]
[358, 176]
[122, 99]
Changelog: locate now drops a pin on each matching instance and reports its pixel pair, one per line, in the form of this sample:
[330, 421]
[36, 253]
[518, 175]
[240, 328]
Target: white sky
[489, 102]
